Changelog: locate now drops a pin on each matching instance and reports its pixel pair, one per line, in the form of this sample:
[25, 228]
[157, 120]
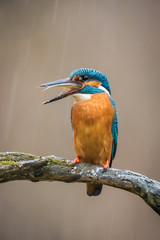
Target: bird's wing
[115, 136]
[114, 132]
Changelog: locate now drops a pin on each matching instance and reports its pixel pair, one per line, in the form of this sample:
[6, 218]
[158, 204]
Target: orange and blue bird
[93, 117]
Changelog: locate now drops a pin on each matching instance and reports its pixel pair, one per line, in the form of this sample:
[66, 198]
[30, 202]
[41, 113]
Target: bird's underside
[92, 121]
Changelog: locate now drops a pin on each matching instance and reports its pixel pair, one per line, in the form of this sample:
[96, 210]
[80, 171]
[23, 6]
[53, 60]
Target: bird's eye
[85, 78]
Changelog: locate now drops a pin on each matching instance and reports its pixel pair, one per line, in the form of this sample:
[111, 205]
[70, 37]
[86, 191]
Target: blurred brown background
[42, 41]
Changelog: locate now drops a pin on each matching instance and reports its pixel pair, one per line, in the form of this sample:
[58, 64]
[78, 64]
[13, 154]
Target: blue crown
[93, 75]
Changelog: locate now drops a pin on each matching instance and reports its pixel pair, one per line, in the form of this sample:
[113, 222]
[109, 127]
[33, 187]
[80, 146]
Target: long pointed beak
[73, 87]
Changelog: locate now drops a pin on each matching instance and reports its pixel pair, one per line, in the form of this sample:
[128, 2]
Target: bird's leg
[106, 165]
[76, 160]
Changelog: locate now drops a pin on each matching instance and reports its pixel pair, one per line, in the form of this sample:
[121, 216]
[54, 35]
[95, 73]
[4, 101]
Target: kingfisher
[94, 118]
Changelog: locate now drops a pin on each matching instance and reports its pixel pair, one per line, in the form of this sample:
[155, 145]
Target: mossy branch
[23, 166]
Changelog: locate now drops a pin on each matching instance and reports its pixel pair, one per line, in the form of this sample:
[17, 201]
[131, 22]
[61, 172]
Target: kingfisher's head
[81, 82]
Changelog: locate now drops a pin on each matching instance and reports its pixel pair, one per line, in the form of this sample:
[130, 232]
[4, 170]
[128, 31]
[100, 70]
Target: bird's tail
[93, 189]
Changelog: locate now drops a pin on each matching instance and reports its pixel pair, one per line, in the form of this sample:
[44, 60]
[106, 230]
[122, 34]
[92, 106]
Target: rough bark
[23, 166]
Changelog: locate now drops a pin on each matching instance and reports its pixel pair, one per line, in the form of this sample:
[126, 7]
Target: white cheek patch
[104, 90]
[81, 97]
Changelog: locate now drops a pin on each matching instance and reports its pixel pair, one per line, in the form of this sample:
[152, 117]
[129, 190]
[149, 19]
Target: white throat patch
[81, 97]
[84, 96]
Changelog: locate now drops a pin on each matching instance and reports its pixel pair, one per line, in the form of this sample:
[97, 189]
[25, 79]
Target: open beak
[68, 83]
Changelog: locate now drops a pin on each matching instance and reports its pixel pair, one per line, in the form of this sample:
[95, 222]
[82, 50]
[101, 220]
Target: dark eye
[85, 77]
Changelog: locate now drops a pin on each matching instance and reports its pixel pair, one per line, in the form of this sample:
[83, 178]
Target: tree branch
[23, 166]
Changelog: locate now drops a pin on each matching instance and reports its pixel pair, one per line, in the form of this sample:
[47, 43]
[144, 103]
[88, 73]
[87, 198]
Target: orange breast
[92, 129]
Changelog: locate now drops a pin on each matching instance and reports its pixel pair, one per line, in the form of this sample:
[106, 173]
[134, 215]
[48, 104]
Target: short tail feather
[93, 189]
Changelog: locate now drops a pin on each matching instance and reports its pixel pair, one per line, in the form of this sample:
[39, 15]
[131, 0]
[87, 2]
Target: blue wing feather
[71, 119]
[114, 132]
[115, 136]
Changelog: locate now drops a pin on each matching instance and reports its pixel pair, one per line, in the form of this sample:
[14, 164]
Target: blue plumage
[90, 90]
[115, 136]
[114, 132]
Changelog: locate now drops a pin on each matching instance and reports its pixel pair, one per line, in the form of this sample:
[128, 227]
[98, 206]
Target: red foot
[106, 165]
[76, 160]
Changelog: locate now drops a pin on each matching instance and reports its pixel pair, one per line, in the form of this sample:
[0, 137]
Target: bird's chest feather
[92, 123]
